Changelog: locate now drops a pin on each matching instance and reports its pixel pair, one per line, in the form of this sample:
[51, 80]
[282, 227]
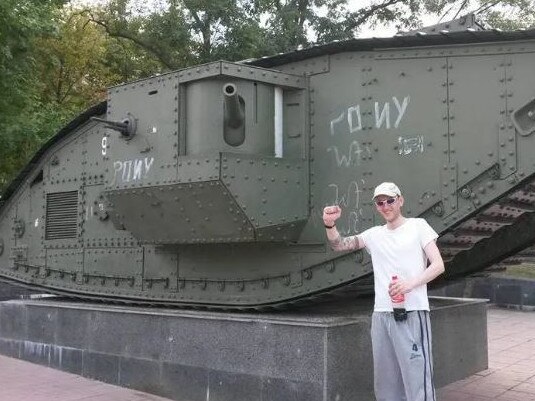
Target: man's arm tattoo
[345, 243]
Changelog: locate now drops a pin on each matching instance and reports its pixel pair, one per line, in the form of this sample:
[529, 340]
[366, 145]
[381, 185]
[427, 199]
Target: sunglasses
[389, 201]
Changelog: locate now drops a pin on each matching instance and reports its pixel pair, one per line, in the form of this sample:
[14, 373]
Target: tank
[204, 187]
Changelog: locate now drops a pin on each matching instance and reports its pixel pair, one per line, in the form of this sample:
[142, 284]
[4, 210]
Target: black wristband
[328, 227]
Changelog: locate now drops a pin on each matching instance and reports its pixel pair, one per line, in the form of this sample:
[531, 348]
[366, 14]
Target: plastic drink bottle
[398, 304]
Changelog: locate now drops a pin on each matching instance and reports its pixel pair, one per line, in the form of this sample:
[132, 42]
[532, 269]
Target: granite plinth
[12, 291]
[318, 353]
[515, 292]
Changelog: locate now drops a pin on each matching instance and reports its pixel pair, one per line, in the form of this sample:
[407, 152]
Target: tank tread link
[204, 187]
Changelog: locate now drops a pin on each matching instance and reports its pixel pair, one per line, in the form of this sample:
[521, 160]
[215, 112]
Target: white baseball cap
[386, 188]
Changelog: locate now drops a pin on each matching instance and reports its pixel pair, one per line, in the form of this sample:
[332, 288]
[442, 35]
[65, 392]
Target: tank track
[495, 232]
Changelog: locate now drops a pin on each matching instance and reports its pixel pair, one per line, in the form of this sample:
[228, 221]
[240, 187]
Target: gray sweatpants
[402, 358]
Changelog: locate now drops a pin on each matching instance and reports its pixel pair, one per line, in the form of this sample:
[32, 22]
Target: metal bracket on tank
[19, 228]
[524, 118]
[19, 254]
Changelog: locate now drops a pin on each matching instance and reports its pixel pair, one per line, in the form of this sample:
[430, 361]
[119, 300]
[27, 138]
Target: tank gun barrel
[234, 113]
[126, 127]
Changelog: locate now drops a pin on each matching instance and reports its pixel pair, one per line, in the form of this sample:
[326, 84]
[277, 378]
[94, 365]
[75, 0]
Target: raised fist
[331, 214]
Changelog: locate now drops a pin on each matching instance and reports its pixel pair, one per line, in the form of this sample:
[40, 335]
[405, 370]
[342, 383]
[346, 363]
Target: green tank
[205, 186]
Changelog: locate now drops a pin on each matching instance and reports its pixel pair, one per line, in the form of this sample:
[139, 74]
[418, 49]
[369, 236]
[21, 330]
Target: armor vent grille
[61, 215]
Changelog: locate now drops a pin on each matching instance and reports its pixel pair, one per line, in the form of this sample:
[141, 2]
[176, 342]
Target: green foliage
[162, 36]
[509, 15]
[180, 33]
[24, 134]
[73, 68]
[502, 14]
[22, 22]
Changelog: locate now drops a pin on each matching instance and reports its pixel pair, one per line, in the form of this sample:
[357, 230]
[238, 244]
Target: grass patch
[524, 270]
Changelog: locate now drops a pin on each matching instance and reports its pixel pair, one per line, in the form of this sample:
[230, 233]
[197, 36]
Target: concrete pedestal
[319, 353]
[10, 291]
[505, 291]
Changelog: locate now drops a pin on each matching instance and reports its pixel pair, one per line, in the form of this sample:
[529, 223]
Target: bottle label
[398, 299]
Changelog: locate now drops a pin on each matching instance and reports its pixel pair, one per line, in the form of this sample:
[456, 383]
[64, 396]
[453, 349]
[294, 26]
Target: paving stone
[25, 381]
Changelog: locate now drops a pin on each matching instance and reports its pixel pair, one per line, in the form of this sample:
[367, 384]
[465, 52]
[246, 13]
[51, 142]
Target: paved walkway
[511, 372]
[25, 381]
[510, 377]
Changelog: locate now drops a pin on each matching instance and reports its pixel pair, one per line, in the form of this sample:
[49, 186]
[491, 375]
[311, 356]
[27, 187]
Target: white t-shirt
[399, 252]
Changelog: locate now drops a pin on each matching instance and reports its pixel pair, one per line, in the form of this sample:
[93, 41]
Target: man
[403, 366]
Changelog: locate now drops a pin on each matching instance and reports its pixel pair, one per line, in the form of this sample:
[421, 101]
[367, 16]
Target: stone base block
[321, 353]
[12, 291]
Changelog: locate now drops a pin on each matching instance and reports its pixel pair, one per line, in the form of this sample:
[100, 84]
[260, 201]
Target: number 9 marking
[104, 145]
